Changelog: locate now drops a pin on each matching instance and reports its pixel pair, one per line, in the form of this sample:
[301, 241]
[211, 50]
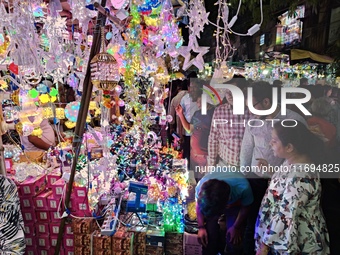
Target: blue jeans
[217, 241]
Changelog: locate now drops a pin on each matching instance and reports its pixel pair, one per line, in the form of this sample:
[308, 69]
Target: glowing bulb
[118, 89]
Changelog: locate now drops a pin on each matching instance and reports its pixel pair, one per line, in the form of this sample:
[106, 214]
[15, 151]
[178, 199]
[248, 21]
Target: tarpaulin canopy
[296, 54]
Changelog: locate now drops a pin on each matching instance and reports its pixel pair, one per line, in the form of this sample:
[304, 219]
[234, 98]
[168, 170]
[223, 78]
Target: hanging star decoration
[198, 17]
[193, 46]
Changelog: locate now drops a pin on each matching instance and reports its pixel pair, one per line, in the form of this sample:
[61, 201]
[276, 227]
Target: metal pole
[2, 149]
[81, 120]
[114, 19]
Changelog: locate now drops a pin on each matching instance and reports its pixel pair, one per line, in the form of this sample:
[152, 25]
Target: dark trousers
[186, 148]
[217, 241]
[259, 187]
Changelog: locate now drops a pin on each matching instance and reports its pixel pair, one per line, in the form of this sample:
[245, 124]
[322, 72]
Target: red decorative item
[13, 68]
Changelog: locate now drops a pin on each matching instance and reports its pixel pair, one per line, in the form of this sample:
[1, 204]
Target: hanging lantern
[104, 69]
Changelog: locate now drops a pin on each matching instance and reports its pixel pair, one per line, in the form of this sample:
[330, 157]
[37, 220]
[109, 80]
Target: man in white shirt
[182, 91]
[189, 108]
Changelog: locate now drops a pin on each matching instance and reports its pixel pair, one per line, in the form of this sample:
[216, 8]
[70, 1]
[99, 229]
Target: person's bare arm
[202, 232]
[38, 142]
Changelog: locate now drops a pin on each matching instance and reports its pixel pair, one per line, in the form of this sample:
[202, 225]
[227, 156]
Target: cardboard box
[80, 207]
[53, 202]
[29, 229]
[190, 239]
[101, 242]
[68, 242]
[155, 237]
[69, 251]
[154, 250]
[82, 250]
[30, 240]
[139, 235]
[174, 238]
[139, 249]
[122, 241]
[49, 251]
[82, 240]
[55, 216]
[52, 177]
[83, 226]
[68, 229]
[43, 216]
[26, 203]
[42, 228]
[79, 193]
[43, 241]
[121, 253]
[58, 188]
[193, 249]
[29, 216]
[40, 201]
[53, 240]
[174, 249]
[33, 186]
[54, 228]
[31, 250]
[102, 252]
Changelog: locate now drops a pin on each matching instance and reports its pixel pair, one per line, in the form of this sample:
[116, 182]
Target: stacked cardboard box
[122, 242]
[139, 247]
[101, 244]
[40, 199]
[82, 230]
[191, 244]
[155, 241]
[174, 243]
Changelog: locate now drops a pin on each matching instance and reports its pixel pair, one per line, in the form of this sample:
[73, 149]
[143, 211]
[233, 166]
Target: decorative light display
[173, 216]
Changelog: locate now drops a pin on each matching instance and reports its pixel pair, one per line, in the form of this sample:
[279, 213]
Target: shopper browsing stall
[290, 219]
[227, 194]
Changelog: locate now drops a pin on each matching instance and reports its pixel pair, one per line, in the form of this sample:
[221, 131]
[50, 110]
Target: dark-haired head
[213, 197]
[196, 88]
[262, 90]
[300, 140]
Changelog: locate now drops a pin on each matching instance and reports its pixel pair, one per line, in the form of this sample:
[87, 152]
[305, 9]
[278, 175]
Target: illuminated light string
[173, 216]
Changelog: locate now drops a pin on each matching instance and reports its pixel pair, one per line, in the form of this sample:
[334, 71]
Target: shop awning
[296, 54]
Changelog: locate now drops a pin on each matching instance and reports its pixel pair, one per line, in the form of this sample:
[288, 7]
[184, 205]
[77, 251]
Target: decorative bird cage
[104, 69]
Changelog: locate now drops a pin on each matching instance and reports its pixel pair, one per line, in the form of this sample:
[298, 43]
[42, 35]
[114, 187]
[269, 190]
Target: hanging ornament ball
[169, 118]
[42, 88]
[118, 89]
[121, 103]
[108, 36]
[72, 110]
